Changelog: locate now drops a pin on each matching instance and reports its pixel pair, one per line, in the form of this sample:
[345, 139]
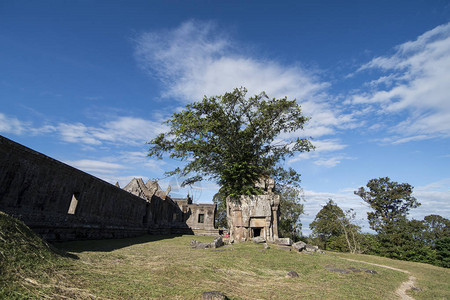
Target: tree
[290, 211]
[436, 227]
[390, 201]
[332, 225]
[233, 140]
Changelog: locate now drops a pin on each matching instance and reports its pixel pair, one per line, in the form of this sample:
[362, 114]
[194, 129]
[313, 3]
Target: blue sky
[89, 82]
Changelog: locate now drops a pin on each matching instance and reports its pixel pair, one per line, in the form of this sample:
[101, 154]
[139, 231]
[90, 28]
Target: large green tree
[233, 140]
[390, 202]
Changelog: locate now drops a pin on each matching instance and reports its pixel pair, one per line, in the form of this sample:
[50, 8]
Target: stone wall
[256, 215]
[198, 217]
[63, 203]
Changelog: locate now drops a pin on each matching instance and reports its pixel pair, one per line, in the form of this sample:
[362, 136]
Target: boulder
[299, 246]
[266, 246]
[284, 241]
[292, 274]
[258, 240]
[213, 295]
[218, 242]
[311, 248]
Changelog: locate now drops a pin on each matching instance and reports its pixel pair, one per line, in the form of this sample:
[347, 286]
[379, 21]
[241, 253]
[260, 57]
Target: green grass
[165, 267]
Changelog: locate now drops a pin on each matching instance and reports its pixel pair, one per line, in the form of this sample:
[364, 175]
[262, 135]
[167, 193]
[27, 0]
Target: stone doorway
[257, 231]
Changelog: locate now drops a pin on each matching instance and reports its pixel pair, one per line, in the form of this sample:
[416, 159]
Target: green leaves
[389, 200]
[231, 139]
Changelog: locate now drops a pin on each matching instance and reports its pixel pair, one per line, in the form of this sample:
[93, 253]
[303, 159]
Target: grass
[165, 267]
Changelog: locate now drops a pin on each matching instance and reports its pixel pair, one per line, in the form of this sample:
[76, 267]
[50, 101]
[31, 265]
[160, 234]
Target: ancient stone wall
[63, 203]
[198, 217]
[254, 216]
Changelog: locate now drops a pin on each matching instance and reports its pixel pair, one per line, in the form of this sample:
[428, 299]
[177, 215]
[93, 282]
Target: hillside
[166, 267]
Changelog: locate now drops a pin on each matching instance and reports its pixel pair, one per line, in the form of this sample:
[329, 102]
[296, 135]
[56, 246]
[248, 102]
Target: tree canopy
[390, 201]
[233, 140]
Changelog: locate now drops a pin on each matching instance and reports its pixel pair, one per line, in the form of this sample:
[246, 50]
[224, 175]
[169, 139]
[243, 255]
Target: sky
[90, 82]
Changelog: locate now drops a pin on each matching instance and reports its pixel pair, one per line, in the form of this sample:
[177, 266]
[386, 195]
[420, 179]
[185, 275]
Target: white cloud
[123, 130]
[12, 125]
[418, 84]
[322, 152]
[96, 166]
[195, 59]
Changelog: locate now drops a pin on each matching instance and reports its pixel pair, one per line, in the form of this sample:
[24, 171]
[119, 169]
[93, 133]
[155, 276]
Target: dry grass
[165, 267]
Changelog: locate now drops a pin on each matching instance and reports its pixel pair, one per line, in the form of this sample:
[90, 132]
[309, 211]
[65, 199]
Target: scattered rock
[311, 248]
[258, 240]
[218, 242]
[337, 270]
[416, 289]
[369, 271]
[349, 270]
[283, 241]
[299, 246]
[213, 295]
[354, 270]
[292, 274]
[321, 251]
[287, 248]
[266, 246]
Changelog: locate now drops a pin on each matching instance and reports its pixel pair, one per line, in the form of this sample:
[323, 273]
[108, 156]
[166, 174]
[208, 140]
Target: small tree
[290, 211]
[390, 201]
[332, 224]
[233, 140]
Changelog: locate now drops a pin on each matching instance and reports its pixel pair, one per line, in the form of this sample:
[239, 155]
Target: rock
[218, 242]
[299, 246]
[337, 270]
[266, 246]
[258, 240]
[213, 295]
[369, 271]
[287, 248]
[292, 274]
[311, 248]
[321, 251]
[284, 241]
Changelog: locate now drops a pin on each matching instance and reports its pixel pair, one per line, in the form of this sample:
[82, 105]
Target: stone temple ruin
[62, 203]
[254, 216]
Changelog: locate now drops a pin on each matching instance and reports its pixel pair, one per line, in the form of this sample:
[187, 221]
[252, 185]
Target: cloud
[196, 59]
[417, 84]
[322, 151]
[96, 166]
[12, 125]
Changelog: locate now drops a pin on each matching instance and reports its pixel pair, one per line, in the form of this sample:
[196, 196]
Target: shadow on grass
[107, 245]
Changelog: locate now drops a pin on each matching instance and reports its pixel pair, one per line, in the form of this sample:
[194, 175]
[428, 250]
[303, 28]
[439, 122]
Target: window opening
[201, 218]
[256, 232]
[73, 204]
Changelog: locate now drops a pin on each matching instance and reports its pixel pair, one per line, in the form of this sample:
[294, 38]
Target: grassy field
[166, 267]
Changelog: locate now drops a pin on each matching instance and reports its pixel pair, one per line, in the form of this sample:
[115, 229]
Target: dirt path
[406, 285]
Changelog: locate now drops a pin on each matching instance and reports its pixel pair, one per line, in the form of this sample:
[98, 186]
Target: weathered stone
[292, 274]
[266, 246]
[299, 246]
[258, 240]
[311, 248]
[218, 242]
[283, 241]
[337, 270]
[213, 295]
[286, 248]
[256, 215]
[369, 271]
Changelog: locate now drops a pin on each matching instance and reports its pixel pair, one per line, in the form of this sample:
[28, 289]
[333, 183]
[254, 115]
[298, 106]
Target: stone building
[198, 217]
[256, 215]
